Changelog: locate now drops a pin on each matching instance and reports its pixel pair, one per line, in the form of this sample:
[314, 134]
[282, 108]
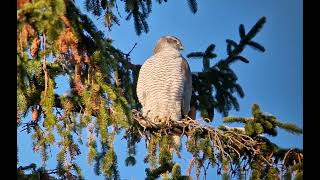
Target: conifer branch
[31, 166]
[290, 128]
[246, 40]
[188, 126]
[117, 9]
[128, 54]
[44, 64]
[193, 5]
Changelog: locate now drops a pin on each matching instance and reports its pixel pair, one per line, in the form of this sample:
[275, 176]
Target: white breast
[160, 85]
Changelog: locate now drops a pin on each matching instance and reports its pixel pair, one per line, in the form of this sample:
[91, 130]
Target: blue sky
[272, 79]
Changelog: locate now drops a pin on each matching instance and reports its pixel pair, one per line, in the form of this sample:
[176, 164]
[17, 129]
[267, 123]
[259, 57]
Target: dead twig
[44, 65]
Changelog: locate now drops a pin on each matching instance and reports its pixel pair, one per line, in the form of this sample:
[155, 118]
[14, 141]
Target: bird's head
[168, 41]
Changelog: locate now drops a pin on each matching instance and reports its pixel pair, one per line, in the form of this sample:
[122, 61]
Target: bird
[164, 85]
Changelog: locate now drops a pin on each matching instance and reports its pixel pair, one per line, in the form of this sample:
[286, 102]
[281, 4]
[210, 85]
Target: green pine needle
[193, 5]
[290, 128]
[234, 119]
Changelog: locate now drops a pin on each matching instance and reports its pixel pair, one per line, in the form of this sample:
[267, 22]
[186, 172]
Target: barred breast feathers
[160, 84]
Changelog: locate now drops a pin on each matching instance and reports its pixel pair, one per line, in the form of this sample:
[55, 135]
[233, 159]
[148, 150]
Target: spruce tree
[55, 38]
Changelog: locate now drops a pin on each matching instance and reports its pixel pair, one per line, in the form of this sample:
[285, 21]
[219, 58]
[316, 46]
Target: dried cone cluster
[35, 114]
[21, 3]
[27, 31]
[77, 79]
[35, 46]
[293, 156]
[68, 44]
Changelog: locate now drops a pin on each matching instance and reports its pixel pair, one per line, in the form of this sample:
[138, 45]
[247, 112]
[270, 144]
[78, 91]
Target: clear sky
[272, 79]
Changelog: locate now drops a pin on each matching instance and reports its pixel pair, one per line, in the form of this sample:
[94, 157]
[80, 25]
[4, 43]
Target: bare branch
[223, 141]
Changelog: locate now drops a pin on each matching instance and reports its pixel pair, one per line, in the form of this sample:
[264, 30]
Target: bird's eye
[173, 41]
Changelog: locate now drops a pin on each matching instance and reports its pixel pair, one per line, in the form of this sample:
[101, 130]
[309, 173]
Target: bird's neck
[165, 48]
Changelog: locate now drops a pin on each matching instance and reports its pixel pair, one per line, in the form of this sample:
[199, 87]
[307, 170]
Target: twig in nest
[191, 163]
[285, 156]
[269, 163]
[140, 133]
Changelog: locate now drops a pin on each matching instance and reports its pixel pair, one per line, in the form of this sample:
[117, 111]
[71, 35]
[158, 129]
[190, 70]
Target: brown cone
[35, 115]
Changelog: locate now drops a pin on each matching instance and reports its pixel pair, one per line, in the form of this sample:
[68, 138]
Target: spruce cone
[35, 46]
[35, 115]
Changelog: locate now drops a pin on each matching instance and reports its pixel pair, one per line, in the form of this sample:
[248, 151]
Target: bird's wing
[187, 90]
[142, 78]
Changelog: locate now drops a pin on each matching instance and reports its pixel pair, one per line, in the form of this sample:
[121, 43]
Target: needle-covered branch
[218, 145]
